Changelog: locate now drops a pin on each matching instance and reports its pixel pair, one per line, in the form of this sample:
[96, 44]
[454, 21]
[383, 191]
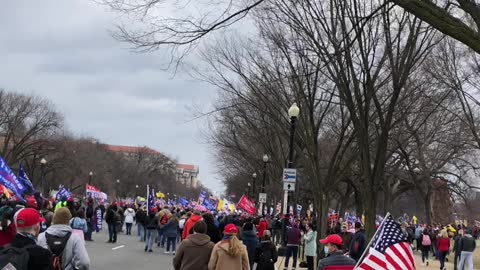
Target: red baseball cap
[230, 229]
[28, 217]
[332, 239]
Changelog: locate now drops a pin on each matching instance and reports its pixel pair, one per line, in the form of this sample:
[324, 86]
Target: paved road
[105, 256]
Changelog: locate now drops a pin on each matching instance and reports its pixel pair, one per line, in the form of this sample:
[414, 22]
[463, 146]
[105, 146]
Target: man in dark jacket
[89, 213]
[359, 242]
[334, 244]
[456, 249]
[28, 227]
[250, 240]
[111, 219]
[194, 252]
[346, 237]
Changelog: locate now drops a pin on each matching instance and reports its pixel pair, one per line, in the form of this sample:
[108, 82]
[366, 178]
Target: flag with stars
[390, 251]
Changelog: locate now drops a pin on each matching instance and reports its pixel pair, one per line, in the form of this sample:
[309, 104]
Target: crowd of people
[53, 235]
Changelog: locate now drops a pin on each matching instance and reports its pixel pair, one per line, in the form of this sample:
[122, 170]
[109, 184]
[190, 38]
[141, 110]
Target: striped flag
[390, 251]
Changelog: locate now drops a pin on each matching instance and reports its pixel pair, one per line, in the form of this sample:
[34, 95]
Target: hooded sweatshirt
[129, 215]
[189, 225]
[193, 253]
[75, 254]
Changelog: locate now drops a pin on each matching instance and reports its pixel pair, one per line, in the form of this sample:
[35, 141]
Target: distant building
[188, 175]
[184, 173]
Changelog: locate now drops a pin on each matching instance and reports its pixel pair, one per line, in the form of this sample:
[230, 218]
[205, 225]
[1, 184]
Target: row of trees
[32, 129]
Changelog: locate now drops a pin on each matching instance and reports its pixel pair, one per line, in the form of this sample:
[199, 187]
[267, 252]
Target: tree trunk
[387, 196]
[370, 213]
[428, 207]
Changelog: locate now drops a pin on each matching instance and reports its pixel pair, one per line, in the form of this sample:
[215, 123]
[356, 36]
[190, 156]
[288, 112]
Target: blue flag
[150, 199]
[10, 181]
[202, 196]
[22, 176]
[62, 192]
[184, 202]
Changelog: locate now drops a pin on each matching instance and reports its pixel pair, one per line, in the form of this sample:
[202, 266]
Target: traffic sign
[262, 197]
[289, 175]
[288, 186]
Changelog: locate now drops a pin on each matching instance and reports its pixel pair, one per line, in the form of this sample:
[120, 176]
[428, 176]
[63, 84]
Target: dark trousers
[171, 241]
[112, 232]
[441, 258]
[291, 251]
[424, 255]
[129, 228]
[456, 262]
[88, 235]
[310, 262]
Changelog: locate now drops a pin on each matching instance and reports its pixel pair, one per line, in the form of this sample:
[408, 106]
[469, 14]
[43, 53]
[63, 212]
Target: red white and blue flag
[390, 251]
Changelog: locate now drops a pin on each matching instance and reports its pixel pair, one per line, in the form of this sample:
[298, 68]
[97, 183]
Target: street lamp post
[116, 189]
[90, 176]
[248, 189]
[293, 113]
[254, 176]
[265, 161]
[43, 163]
[136, 191]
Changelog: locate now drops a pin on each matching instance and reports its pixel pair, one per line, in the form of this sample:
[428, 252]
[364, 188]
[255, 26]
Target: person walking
[418, 236]
[129, 217]
[250, 240]
[79, 223]
[111, 219]
[188, 226]
[140, 218]
[67, 247]
[467, 247]
[212, 230]
[346, 237]
[194, 252]
[310, 245]
[359, 242]
[277, 230]
[262, 226]
[443, 246]
[456, 249]
[426, 245]
[229, 253]
[90, 217]
[171, 232]
[151, 227]
[294, 237]
[27, 224]
[333, 247]
[266, 254]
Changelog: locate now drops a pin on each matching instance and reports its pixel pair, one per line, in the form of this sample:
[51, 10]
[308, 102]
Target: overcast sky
[62, 50]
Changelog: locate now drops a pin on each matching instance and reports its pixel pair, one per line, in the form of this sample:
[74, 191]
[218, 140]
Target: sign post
[289, 180]
[262, 198]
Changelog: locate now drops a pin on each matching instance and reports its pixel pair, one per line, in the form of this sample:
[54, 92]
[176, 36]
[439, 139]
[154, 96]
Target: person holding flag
[390, 251]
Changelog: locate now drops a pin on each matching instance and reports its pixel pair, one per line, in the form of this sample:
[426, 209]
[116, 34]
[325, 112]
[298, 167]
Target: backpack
[426, 240]
[164, 219]
[15, 258]
[56, 244]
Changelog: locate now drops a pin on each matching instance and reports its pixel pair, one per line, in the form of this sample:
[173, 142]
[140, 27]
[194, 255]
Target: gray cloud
[62, 50]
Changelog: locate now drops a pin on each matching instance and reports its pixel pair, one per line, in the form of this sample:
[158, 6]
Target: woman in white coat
[129, 216]
[310, 245]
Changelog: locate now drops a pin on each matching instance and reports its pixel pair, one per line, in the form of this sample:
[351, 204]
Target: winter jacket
[336, 258]
[189, 225]
[266, 256]
[75, 256]
[79, 224]
[294, 236]
[151, 222]
[347, 239]
[39, 259]
[193, 253]
[263, 226]
[171, 228]
[214, 233]
[222, 260]
[111, 216]
[311, 243]
[129, 215]
[467, 243]
[141, 217]
[358, 245]
[250, 240]
[443, 244]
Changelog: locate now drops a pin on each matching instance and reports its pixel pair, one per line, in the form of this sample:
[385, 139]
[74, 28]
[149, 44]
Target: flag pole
[371, 240]
[148, 193]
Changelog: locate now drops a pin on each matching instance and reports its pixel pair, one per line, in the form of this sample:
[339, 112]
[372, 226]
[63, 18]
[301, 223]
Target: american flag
[390, 251]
